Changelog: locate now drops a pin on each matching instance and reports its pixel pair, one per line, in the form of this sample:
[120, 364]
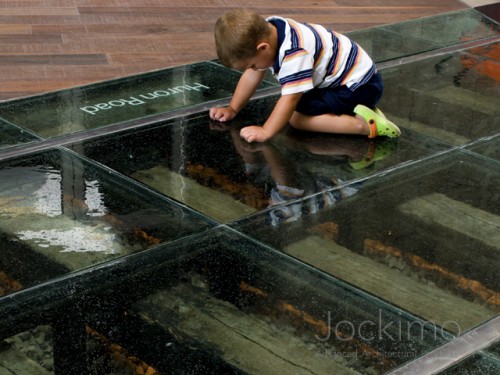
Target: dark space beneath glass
[425, 238]
[453, 97]
[113, 261]
[60, 214]
[13, 135]
[216, 302]
[210, 168]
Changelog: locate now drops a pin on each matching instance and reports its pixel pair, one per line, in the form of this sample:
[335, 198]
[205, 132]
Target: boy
[328, 83]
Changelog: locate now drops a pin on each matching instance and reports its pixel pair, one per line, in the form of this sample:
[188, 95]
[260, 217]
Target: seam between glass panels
[47, 143]
[454, 351]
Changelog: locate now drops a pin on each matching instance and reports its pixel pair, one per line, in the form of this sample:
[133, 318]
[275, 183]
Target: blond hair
[237, 34]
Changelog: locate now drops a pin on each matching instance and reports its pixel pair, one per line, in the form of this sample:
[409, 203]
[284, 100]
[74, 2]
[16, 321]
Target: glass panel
[383, 44]
[385, 250]
[122, 100]
[476, 365]
[454, 98]
[12, 135]
[425, 238]
[233, 306]
[425, 34]
[210, 168]
[59, 214]
[489, 148]
[28, 353]
[449, 28]
[494, 349]
[39, 351]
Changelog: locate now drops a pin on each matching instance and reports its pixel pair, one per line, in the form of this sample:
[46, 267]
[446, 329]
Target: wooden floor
[47, 45]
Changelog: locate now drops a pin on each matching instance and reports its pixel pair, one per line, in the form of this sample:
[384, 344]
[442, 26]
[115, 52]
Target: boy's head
[238, 34]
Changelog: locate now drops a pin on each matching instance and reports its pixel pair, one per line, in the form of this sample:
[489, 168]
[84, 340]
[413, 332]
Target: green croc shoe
[378, 123]
[376, 151]
[379, 112]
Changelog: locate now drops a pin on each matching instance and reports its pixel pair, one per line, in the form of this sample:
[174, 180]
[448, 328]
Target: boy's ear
[262, 46]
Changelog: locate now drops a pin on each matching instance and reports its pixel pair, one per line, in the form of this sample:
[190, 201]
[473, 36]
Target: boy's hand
[254, 133]
[222, 114]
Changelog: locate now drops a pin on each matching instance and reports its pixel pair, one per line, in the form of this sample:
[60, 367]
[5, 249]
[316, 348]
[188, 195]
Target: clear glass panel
[12, 135]
[383, 44]
[494, 349]
[210, 168]
[112, 102]
[59, 214]
[478, 364]
[425, 238]
[489, 148]
[382, 250]
[425, 34]
[454, 98]
[232, 306]
[43, 351]
[28, 353]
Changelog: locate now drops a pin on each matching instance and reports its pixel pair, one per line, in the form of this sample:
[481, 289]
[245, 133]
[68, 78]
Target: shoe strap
[373, 128]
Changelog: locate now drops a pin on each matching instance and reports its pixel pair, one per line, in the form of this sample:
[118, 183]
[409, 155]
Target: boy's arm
[282, 112]
[246, 87]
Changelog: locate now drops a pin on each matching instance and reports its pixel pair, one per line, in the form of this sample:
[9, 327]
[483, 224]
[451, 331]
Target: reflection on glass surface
[12, 135]
[135, 97]
[212, 169]
[233, 306]
[454, 98]
[449, 28]
[60, 214]
[386, 248]
[383, 44]
[425, 34]
[426, 239]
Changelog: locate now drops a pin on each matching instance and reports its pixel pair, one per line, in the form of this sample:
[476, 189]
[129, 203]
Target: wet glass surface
[29, 352]
[210, 168]
[494, 349]
[477, 364]
[12, 135]
[425, 34]
[488, 147]
[127, 99]
[428, 235]
[229, 301]
[379, 250]
[59, 214]
[454, 98]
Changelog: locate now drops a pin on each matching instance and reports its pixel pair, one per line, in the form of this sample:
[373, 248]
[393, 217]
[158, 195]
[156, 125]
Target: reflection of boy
[329, 83]
[291, 184]
[293, 211]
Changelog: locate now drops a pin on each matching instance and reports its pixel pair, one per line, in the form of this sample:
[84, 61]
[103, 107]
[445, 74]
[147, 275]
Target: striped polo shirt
[311, 56]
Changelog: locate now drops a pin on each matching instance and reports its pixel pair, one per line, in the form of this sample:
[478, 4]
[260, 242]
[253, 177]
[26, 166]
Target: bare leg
[330, 123]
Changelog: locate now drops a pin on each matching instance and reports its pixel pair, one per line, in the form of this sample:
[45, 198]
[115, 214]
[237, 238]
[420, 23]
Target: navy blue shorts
[341, 100]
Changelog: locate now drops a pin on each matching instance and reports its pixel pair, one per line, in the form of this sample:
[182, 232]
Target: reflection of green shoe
[378, 123]
[376, 151]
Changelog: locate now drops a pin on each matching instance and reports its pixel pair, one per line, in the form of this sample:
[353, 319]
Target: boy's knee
[295, 120]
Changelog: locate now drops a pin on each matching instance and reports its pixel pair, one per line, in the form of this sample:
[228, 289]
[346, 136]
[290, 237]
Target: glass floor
[139, 237]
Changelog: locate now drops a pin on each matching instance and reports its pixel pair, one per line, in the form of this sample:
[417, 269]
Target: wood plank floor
[47, 45]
